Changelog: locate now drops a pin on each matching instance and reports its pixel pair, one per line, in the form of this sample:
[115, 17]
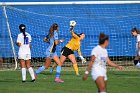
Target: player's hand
[85, 77]
[71, 28]
[84, 61]
[61, 40]
[120, 67]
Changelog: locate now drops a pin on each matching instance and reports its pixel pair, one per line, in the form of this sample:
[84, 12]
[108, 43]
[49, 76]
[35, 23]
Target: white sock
[138, 65]
[102, 92]
[23, 70]
[31, 71]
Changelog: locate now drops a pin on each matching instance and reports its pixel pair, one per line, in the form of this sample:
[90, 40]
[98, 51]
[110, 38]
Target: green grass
[118, 82]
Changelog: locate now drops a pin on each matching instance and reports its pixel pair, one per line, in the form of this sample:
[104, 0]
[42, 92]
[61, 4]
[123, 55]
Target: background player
[99, 58]
[52, 39]
[24, 54]
[136, 33]
[73, 45]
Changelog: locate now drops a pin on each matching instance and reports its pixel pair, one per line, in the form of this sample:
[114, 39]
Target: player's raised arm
[72, 25]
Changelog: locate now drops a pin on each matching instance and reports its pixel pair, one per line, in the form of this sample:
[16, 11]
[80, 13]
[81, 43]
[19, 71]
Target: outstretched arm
[110, 63]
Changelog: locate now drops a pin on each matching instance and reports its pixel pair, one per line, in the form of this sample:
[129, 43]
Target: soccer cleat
[35, 75]
[77, 74]
[23, 81]
[51, 70]
[33, 80]
[58, 80]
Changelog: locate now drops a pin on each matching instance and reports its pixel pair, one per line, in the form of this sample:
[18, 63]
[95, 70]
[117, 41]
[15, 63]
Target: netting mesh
[114, 20]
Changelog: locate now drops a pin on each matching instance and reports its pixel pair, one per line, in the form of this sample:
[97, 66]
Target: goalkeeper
[73, 45]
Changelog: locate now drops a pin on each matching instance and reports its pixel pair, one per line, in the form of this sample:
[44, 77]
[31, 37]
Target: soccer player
[99, 58]
[71, 46]
[136, 33]
[24, 53]
[52, 39]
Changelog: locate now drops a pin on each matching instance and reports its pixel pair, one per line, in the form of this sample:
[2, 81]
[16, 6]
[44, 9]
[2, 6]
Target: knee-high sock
[76, 69]
[23, 71]
[31, 71]
[58, 71]
[39, 70]
[54, 66]
[102, 92]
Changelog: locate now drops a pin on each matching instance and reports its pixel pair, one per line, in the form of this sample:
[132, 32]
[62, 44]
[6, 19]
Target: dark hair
[22, 28]
[102, 38]
[51, 31]
[79, 34]
[135, 30]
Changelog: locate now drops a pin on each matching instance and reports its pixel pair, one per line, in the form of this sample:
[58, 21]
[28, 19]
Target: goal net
[115, 19]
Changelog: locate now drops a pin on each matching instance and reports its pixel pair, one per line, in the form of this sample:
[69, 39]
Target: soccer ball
[72, 23]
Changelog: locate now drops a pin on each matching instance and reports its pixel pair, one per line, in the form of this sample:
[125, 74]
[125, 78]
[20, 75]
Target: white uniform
[99, 65]
[137, 49]
[24, 50]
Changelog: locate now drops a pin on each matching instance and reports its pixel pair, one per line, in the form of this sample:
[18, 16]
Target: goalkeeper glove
[83, 59]
[71, 28]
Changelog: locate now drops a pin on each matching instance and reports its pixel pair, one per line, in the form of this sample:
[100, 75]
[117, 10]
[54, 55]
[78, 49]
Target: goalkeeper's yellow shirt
[74, 43]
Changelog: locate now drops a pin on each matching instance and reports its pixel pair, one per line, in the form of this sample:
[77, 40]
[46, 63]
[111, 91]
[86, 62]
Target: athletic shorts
[24, 56]
[66, 51]
[98, 71]
[50, 54]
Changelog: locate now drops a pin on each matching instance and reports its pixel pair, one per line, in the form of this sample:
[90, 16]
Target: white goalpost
[115, 18]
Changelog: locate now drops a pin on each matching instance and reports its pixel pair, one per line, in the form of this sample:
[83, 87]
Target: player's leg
[58, 68]
[30, 69]
[73, 60]
[23, 70]
[63, 56]
[137, 61]
[101, 84]
[46, 65]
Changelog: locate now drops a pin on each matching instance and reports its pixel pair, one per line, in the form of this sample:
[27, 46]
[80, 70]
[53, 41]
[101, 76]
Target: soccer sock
[102, 92]
[138, 65]
[58, 71]
[76, 69]
[31, 71]
[23, 70]
[39, 70]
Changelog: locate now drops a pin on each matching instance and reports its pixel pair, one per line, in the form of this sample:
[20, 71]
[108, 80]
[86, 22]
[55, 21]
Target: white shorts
[98, 71]
[24, 56]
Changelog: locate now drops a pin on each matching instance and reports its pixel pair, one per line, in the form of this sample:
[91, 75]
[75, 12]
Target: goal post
[11, 40]
[115, 18]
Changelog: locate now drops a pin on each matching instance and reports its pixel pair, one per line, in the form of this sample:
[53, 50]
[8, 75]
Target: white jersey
[101, 56]
[138, 40]
[24, 48]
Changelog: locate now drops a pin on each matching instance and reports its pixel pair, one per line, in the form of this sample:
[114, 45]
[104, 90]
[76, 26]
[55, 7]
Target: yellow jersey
[74, 43]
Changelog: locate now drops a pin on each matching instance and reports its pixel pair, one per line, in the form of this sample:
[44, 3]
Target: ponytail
[22, 28]
[51, 31]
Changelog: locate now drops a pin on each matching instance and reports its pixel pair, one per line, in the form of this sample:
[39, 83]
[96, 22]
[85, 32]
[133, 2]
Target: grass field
[118, 82]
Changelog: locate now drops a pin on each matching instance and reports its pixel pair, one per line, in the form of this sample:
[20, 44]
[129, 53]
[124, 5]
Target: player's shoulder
[96, 47]
[55, 33]
[27, 34]
[20, 34]
[138, 36]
